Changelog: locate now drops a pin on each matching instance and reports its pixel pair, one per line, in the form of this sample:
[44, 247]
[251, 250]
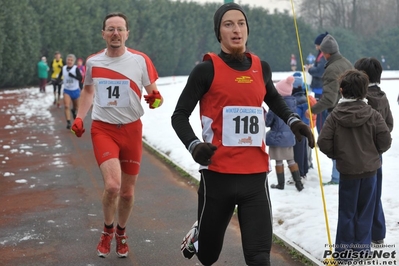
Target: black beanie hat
[217, 18]
[320, 38]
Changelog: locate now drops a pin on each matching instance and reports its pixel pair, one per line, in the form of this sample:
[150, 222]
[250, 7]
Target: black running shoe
[73, 111]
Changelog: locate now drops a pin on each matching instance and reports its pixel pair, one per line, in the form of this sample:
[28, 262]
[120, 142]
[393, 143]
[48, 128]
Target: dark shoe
[377, 242]
[280, 177]
[296, 176]
[187, 247]
[290, 181]
[299, 185]
[330, 183]
[277, 186]
[68, 124]
[73, 111]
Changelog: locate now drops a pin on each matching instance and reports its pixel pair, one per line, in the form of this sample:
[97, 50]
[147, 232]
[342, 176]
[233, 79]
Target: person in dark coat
[336, 65]
[378, 100]
[316, 70]
[355, 135]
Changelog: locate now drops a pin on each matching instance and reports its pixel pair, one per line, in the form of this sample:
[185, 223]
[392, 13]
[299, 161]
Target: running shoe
[73, 111]
[122, 249]
[104, 246]
[190, 242]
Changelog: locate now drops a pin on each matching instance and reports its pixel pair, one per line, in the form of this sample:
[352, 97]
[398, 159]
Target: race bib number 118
[243, 126]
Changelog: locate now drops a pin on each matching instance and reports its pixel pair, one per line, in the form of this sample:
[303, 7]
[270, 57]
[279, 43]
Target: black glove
[203, 152]
[300, 129]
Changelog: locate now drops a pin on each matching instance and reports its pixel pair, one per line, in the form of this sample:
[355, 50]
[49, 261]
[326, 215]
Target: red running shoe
[104, 246]
[122, 249]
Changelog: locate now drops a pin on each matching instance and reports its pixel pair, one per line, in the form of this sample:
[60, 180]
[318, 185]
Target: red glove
[153, 99]
[77, 127]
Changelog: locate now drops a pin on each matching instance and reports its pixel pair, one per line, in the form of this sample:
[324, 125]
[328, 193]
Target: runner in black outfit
[230, 88]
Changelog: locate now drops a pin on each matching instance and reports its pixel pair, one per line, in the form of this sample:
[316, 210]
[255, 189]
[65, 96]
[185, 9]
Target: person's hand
[60, 66]
[300, 129]
[203, 152]
[307, 114]
[153, 99]
[77, 127]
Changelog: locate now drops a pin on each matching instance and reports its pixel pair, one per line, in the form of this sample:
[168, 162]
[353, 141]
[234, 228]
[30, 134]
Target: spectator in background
[293, 62]
[310, 59]
[82, 69]
[355, 135]
[302, 151]
[316, 70]
[280, 138]
[56, 68]
[378, 100]
[384, 63]
[42, 69]
[336, 65]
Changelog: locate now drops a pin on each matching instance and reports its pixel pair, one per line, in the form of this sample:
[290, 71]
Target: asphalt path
[50, 194]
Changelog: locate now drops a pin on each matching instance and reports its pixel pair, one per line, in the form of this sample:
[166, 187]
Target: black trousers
[218, 195]
[56, 86]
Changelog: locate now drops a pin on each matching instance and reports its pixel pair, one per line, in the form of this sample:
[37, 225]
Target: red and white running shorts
[122, 141]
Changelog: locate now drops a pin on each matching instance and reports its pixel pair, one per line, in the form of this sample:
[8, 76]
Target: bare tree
[364, 17]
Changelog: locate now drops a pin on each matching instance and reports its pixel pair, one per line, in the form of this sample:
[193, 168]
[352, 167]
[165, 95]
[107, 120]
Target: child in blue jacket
[280, 138]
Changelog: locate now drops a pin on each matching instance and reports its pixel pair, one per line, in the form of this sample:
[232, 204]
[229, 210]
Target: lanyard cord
[330, 261]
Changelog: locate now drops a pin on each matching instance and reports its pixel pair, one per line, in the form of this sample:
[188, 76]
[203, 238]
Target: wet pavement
[51, 187]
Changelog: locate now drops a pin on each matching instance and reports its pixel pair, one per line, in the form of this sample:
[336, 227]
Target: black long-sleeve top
[77, 75]
[199, 82]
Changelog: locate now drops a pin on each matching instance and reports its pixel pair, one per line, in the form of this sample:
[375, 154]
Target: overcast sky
[268, 4]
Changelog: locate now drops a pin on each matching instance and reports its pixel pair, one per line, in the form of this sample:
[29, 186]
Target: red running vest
[232, 118]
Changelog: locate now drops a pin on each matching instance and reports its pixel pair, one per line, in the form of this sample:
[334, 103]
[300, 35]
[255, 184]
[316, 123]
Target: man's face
[70, 61]
[233, 32]
[57, 56]
[115, 33]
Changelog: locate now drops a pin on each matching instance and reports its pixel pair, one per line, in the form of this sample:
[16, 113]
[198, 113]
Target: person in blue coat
[280, 138]
[301, 151]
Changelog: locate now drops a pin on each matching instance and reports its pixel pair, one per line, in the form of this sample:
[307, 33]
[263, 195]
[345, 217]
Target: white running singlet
[118, 84]
[70, 83]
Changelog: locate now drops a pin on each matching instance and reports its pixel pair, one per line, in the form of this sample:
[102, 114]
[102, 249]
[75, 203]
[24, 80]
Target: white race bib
[113, 93]
[243, 126]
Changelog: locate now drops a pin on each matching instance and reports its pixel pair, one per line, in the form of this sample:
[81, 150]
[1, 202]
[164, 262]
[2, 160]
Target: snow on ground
[298, 216]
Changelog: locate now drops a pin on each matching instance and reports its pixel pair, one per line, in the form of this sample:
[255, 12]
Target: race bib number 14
[243, 126]
[113, 93]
